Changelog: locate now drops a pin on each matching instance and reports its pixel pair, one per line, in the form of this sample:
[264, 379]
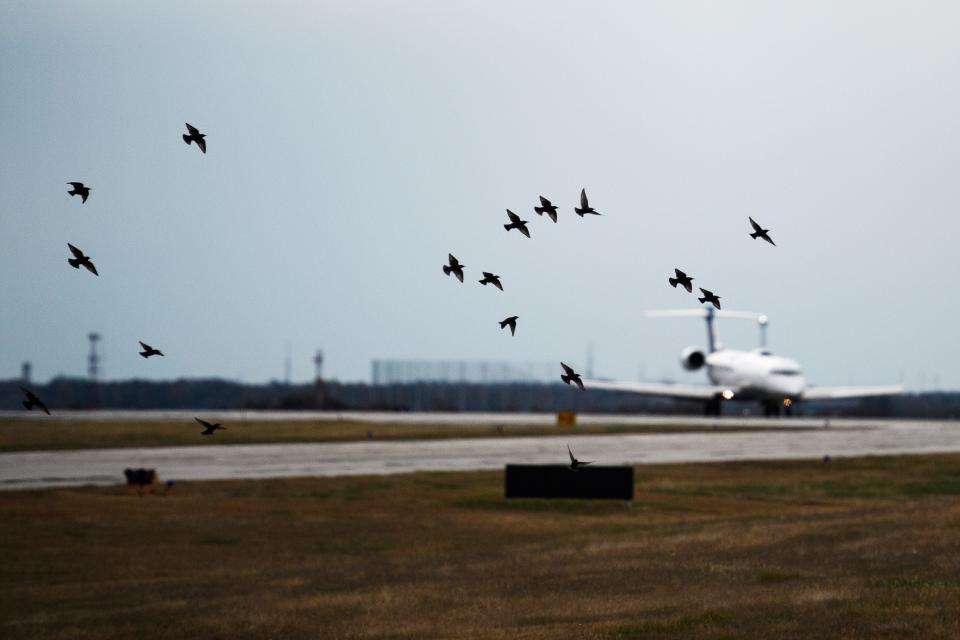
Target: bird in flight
[682, 279]
[709, 297]
[574, 463]
[516, 223]
[510, 322]
[546, 207]
[195, 136]
[584, 207]
[454, 267]
[208, 428]
[148, 350]
[79, 190]
[571, 376]
[489, 278]
[79, 260]
[760, 232]
[33, 401]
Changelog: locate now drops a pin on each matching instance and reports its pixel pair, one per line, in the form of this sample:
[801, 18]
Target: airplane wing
[681, 391]
[837, 393]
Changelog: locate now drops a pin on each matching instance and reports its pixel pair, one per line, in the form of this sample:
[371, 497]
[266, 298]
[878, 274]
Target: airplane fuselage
[756, 375]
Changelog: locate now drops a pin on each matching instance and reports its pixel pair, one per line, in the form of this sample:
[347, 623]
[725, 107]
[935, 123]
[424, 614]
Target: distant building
[470, 371]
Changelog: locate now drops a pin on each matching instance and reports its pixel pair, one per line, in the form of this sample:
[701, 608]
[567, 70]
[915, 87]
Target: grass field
[857, 548]
[31, 435]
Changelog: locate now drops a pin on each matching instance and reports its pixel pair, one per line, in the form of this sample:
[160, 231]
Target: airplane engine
[692, 358]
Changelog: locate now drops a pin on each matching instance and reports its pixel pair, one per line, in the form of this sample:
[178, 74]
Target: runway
[36, 470]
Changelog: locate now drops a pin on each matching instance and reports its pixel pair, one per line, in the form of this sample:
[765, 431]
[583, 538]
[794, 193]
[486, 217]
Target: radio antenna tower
[93, 359]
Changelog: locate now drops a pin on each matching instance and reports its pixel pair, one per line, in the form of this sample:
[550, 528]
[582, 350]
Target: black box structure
[559, 481]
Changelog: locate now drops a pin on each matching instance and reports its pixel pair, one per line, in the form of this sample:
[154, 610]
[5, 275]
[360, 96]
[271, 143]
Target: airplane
[757, 375]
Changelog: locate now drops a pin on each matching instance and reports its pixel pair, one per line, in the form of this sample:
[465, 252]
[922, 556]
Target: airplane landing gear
[712, 407]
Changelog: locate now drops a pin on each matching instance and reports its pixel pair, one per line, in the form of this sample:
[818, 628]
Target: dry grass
[44, 434]
[866, 548]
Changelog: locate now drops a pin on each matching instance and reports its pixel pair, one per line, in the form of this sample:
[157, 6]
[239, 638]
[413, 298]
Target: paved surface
[32, 470]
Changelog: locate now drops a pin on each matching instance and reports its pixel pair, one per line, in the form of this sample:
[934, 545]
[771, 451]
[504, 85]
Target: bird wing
[768, 239]
[84, 195]
[496, 283]
[452, 261]
[583, 199]
[553, 215]
[706, 293]
[90, 267]
[754, 224]
[487, 274]
[75, 185]
[145, 346]
[76, 252]
[524, 230]
[202, 143]
[570, 372]
[205, 424]
[513, 217]
[680, 274]
[544, 202]
[192, 129]
[30, 395]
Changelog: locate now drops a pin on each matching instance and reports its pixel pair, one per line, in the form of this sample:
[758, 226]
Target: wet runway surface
[41, 469]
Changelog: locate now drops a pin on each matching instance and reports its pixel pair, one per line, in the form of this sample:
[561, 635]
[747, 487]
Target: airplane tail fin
[708, 313]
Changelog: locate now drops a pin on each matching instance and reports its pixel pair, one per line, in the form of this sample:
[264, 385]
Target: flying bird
[681, 279]
[546, 207]
[709, 297]
[516, 223]
[584, 207]
[79, 260]
[571, 376]
[489, 278]
[79, 190]
[208, 428]
[510, 322]
[148, 350]
[454, 267]
[760, 232]
[574, 463]
[33, 401]
[195, 136]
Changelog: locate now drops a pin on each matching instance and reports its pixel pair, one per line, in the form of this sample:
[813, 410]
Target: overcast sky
[352, 145]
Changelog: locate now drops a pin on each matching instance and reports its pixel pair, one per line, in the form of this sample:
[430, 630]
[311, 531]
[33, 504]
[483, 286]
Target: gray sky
[353, 144]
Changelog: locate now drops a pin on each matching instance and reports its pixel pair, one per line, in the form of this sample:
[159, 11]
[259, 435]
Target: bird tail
[447, 270]
[579, 211]
[673, 282]
[143, 354]
[565, 378]
[73, 192]
[28, 405]
[74, 262]
[702, 300]
[754, 235]
[508, 226]
[503, 324]
[186, 138]
[539, 210]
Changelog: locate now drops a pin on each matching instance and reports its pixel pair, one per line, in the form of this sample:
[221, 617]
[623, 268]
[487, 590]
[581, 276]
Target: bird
[571, 376]
[489, 278]
[516, 223]
[195, 136]
[208, 428]
[79, 190]
[760, 232]
[709, 297]
[584, 207]
[148, 350]
[681, 279]
[510, 322]
[454, 267]
[574, 463]
[546, 207]
[79, 259]
[33, 401]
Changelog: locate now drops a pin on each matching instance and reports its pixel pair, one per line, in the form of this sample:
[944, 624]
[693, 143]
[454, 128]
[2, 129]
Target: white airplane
[758, 375]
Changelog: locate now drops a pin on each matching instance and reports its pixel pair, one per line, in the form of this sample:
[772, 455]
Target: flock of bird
[453, 267]
[80, 259]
